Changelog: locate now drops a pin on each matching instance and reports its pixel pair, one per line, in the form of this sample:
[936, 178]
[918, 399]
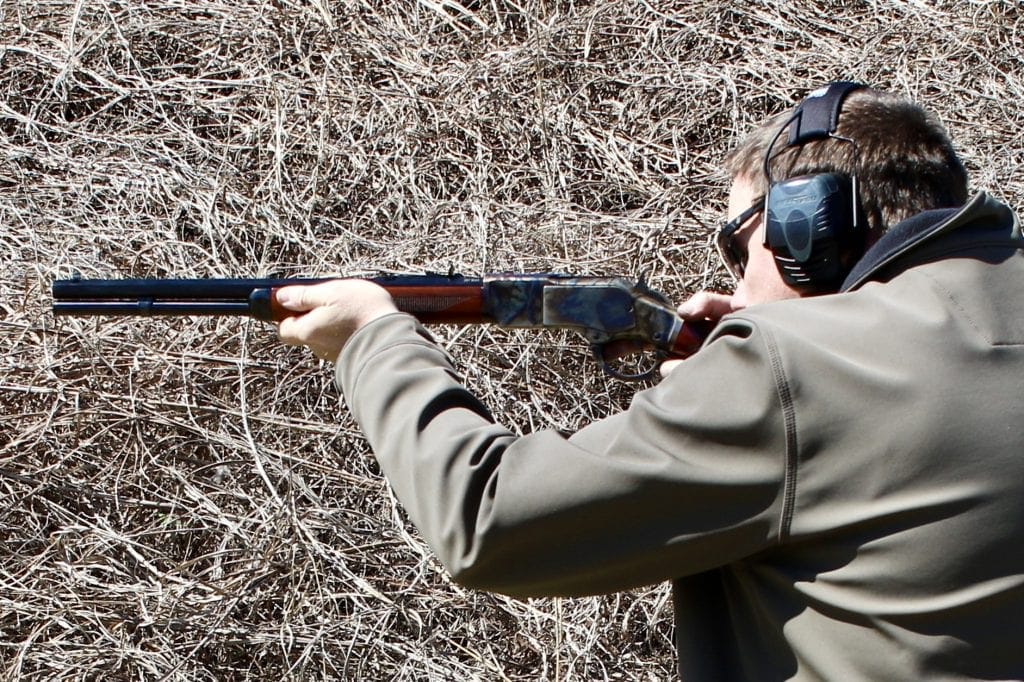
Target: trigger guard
[601, 357]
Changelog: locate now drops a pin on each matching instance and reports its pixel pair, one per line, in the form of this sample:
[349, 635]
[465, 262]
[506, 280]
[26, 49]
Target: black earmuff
[813, 221]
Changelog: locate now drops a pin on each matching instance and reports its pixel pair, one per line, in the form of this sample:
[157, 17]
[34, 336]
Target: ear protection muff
[811, 222]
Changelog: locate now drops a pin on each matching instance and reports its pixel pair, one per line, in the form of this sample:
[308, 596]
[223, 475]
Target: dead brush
[188, 500]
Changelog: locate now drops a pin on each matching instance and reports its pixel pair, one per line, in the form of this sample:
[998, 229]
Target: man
[842, 498]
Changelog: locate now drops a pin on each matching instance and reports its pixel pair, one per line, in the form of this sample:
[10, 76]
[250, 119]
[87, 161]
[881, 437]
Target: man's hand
[327, 314]
[705, 305]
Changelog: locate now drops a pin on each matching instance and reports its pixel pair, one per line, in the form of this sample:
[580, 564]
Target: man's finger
[667, 366]
[288, 330]
[296, 297]
[706, 305]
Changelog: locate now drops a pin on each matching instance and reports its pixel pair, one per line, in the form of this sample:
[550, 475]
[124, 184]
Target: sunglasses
[733, 257]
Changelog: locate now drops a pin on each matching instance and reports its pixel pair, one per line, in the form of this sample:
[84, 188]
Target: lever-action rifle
[616, 315]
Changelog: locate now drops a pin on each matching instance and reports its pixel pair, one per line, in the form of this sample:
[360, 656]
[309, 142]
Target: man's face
[761, 281]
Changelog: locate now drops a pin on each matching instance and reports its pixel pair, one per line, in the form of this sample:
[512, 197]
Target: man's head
[900, 155]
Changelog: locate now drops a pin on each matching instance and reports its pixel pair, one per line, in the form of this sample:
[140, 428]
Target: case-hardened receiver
[616, 315]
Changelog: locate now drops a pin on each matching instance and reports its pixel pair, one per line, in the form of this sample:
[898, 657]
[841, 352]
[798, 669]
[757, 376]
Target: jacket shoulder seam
[792, 442]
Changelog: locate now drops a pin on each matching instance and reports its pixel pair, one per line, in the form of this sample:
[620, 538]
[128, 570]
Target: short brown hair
[903, 158]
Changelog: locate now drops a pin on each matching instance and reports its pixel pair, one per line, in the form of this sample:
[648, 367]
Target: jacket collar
[911, 234]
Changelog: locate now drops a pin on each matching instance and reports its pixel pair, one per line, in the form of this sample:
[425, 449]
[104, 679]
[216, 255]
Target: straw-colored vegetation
[189, 500]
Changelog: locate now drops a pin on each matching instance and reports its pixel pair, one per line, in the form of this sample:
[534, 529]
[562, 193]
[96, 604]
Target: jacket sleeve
[691, 476]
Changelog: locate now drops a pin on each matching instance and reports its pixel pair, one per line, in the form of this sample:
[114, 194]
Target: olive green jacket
[835, 485]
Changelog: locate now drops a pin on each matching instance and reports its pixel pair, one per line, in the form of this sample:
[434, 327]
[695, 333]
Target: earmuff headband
[817, 117]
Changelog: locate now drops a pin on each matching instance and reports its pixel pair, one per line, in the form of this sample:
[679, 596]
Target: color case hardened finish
[612, 313]
[603, 309]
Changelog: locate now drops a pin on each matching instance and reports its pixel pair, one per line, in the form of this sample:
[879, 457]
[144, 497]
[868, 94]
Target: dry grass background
[187, 499]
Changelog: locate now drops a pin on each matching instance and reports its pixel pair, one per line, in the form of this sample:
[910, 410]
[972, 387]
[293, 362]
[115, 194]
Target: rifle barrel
[449, 299]
[147, 307]
[76, 289]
